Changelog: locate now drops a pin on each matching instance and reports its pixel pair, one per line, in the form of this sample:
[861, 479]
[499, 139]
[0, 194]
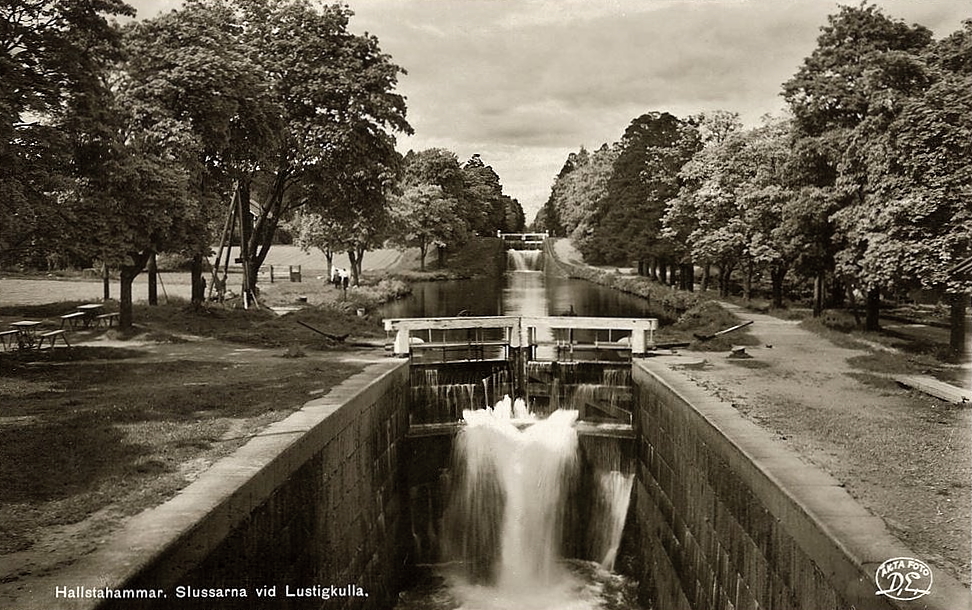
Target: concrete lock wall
[724, 517]
[312, 506]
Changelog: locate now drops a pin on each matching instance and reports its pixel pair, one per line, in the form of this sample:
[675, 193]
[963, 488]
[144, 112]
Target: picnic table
[26, 333]
[85, 314]
[91, 311]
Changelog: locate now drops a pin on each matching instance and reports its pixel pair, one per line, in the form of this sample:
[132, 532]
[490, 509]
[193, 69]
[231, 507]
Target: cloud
[526, 82]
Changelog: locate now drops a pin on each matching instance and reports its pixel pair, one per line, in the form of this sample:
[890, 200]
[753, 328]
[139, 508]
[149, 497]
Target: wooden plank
[458, 344]
[934, 387]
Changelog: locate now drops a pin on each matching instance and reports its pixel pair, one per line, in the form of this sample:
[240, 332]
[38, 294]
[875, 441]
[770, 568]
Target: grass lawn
[120, 428]
[120, 422]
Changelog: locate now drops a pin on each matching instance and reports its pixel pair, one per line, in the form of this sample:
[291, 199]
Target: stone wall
[725, 517]
[313, 507]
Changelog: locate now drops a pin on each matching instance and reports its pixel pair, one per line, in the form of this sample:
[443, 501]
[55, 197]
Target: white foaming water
[506, 520]
[524, 260]
[611, 508]
[509, 409]
[521, 478]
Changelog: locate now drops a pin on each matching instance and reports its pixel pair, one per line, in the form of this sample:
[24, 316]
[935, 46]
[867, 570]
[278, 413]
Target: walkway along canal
[339, 505]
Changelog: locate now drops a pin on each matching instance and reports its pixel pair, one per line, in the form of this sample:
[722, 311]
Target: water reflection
[528, 293]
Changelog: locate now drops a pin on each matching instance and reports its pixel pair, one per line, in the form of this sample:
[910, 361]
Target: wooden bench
[51, 337]
[73, 318]
[8, 339]
[107, 318]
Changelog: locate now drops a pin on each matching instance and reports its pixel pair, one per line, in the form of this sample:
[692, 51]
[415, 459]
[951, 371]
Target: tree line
[123, 141]
[864, 188]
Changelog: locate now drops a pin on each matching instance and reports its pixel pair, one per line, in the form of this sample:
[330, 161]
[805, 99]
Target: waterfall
[610, 509]
[524, 260]
[435, 401]
[506, 518]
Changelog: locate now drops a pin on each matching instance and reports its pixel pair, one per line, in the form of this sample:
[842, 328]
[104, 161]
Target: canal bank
[722, 516]
[656, 454]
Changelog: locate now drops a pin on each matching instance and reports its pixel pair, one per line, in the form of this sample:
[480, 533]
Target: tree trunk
[422, 249]
[356, 256]
[956, 334]
[653, 269]
[818, 282]
[838, 292]
[128, 275]
[853, 306]
[197, 280]
[257, 237]
[105, 281]
[873, 311]
[329, 257]
[748, 280]
[777, 273]
[688, 277]
[245, 222]
[706, 276]
[153, 280]
[725, 278]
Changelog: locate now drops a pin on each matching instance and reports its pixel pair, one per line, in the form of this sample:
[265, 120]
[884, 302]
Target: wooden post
[402, 342]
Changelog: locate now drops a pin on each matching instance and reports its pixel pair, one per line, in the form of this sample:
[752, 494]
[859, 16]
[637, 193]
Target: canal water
[511, 484]
[524, 289]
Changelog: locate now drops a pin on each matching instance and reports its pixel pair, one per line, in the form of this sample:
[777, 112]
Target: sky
[523, 83]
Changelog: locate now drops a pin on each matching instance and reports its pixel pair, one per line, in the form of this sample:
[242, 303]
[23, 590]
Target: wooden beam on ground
[936, 388]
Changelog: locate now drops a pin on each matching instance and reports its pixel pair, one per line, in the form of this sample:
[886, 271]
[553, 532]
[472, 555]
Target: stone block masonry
[308, 514]
[725, 517]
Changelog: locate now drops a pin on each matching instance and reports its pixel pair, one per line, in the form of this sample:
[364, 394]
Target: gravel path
[902, 454]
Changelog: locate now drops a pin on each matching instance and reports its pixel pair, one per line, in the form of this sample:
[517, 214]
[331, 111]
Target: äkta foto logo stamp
[903, 578]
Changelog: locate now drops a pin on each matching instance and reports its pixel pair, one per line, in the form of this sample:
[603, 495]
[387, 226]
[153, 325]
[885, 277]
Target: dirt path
[903, 455]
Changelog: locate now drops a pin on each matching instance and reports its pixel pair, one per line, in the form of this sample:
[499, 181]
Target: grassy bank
[669, 303]
[477, 258]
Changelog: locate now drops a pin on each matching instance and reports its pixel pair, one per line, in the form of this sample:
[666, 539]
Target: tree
[578, 187]
[53, 61]
[138, 205]
[189, 88]
[834, 87]
[311, 230]
[336, 90]
[686, 212]
[861, 65]
[627, 220]
[434, 166]
[482, 197]
[423, 216]
[911, 219]
[283, 100]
